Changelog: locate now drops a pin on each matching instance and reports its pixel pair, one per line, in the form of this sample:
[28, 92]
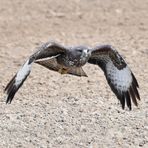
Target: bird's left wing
[119, 76]
[47, 50]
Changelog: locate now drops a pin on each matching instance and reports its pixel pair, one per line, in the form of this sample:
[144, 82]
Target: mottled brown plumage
[70, 60]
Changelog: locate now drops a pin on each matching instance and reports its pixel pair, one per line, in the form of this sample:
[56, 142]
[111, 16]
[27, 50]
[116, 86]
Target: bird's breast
[70, 61]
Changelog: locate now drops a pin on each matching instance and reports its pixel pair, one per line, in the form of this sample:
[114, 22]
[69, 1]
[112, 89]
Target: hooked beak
[87, 52]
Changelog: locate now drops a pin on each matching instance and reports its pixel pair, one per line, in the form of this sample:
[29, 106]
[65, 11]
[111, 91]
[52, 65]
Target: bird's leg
[63, 70]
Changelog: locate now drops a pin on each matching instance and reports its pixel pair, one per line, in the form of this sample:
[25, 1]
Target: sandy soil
[55, 111]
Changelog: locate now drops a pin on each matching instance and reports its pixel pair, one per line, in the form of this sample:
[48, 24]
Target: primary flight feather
[70, 60]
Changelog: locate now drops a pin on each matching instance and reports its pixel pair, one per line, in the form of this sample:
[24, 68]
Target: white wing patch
[22, 73]
[48, 58]
[121, 79]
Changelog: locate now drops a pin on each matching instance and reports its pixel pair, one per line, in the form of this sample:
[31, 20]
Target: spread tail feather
[77, 72]
[17, 81]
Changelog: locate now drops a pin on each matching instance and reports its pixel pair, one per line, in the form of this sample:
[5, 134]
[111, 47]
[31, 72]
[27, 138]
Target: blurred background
[65, 111]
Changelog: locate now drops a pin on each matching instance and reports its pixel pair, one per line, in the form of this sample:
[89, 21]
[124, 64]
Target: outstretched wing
[47, 50]
[119, 76]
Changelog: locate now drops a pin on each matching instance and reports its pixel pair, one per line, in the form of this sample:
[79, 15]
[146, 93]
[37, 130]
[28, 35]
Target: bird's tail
[17, 81]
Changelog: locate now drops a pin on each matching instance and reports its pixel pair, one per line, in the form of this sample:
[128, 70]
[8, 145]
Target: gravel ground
[53, 110]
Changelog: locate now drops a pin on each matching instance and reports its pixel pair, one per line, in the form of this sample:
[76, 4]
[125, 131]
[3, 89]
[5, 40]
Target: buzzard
[70, 60]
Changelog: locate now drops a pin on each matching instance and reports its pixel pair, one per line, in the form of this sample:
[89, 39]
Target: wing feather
[133, 96]
[128, 100]
[119, 76]
[48, 49]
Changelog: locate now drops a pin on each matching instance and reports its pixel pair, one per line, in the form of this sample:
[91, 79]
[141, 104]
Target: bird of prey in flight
[70, 60]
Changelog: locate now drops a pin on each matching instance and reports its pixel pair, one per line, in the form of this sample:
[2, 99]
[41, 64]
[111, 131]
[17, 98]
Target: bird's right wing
[47, 50]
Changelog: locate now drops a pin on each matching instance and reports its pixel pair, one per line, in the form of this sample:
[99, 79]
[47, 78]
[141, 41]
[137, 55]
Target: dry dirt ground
[53, 110]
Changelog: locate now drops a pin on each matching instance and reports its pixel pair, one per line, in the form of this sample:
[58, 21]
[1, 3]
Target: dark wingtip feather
[123, 106]
[124, 96]
[9, 84]
[121, 98]
[132, 94]
[123, 103]
[128, 100]
[136, 92]
[135, 81]
[135, 85]
[11, 95]
[10, 90]
[133, 91]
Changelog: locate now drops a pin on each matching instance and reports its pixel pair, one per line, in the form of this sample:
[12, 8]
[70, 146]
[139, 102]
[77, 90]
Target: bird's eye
[79, 50]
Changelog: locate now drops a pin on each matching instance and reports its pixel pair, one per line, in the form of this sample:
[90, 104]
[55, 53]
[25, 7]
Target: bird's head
[83, 51]
[79, 55]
